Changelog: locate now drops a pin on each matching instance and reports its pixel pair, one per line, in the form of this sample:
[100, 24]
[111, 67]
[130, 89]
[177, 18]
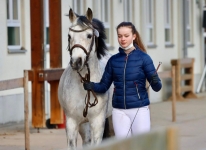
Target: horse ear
[72, 15]
[89, 14]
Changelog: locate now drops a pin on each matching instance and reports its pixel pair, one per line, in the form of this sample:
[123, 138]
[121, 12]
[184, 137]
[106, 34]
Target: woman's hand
[88, 85]
[155, 79]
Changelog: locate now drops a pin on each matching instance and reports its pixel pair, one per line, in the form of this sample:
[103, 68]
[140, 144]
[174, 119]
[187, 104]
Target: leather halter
[87, 76]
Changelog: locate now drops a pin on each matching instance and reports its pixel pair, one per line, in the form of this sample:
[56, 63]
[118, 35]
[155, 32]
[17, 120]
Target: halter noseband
[80, 46]
[87, 76]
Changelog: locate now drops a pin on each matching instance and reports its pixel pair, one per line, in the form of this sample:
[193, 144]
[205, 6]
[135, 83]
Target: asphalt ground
[190, 124]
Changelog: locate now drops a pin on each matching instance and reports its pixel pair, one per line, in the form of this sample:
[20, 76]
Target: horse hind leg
[106, 133]
[84, 131]
[71, 133]
[108, 129]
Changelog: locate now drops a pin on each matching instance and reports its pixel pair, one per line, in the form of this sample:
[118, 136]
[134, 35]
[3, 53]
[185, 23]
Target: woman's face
[125, 36]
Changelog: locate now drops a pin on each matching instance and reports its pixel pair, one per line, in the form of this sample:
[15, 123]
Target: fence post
[56, 114]
[26, 111]
[171, 74]
[173, 94]
[172, 139]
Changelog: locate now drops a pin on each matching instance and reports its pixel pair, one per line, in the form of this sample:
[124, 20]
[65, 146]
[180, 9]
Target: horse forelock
[101, 46]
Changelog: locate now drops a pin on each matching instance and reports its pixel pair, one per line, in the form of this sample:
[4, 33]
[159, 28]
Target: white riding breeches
[127, 122]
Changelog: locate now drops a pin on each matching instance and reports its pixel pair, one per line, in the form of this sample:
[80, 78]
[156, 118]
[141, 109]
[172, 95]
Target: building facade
[170, 29]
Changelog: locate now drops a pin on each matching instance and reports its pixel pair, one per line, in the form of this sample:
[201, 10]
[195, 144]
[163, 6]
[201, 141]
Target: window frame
[14, 23]
[168, 21]
[78, 6]
[189, 21]
[128, 13]
[46, 23]
[105, 21]
[150, 23]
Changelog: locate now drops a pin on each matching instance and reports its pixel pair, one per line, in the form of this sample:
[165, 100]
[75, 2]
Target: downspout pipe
[185, 16]
[47, 100]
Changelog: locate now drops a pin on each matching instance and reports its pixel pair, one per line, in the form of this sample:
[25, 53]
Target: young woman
[128, 70]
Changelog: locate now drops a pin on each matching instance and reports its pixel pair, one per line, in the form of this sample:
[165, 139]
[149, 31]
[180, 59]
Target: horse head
[86, 37]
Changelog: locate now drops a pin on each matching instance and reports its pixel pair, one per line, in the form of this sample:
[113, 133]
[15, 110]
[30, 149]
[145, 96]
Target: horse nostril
[79, 61]
[77, 64]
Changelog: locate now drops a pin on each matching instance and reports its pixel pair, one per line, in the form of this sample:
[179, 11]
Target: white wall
[12, 65]
[66, 5]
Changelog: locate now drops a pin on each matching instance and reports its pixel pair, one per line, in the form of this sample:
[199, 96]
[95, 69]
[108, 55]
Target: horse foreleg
[72, 133]
[84, 131]
[97, 129]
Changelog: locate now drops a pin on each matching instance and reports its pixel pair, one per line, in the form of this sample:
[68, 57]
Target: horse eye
[89, 36]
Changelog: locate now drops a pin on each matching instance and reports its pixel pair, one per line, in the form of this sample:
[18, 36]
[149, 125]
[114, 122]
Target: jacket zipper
[124, 79]
[137, 89]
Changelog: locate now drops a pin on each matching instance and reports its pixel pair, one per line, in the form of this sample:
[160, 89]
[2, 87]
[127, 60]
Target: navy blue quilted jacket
[128, 72]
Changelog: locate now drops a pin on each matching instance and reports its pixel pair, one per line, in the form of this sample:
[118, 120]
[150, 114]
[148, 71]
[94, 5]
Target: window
[105, 17]
[46, 6]
[128, 11]
[168, 27]
[78, 7]
[188, 19]
[150, 22]
[13, 24]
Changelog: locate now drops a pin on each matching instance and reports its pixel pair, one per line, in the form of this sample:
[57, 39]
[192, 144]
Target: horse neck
[93, 64]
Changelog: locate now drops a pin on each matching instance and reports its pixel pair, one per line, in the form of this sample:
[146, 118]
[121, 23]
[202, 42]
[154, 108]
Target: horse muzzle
[76, 64]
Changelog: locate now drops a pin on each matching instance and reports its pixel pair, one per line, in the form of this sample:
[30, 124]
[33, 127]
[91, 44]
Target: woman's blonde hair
[137, 40]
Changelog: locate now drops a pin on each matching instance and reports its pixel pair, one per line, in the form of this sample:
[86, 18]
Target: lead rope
[87, 97]
[146, 90]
